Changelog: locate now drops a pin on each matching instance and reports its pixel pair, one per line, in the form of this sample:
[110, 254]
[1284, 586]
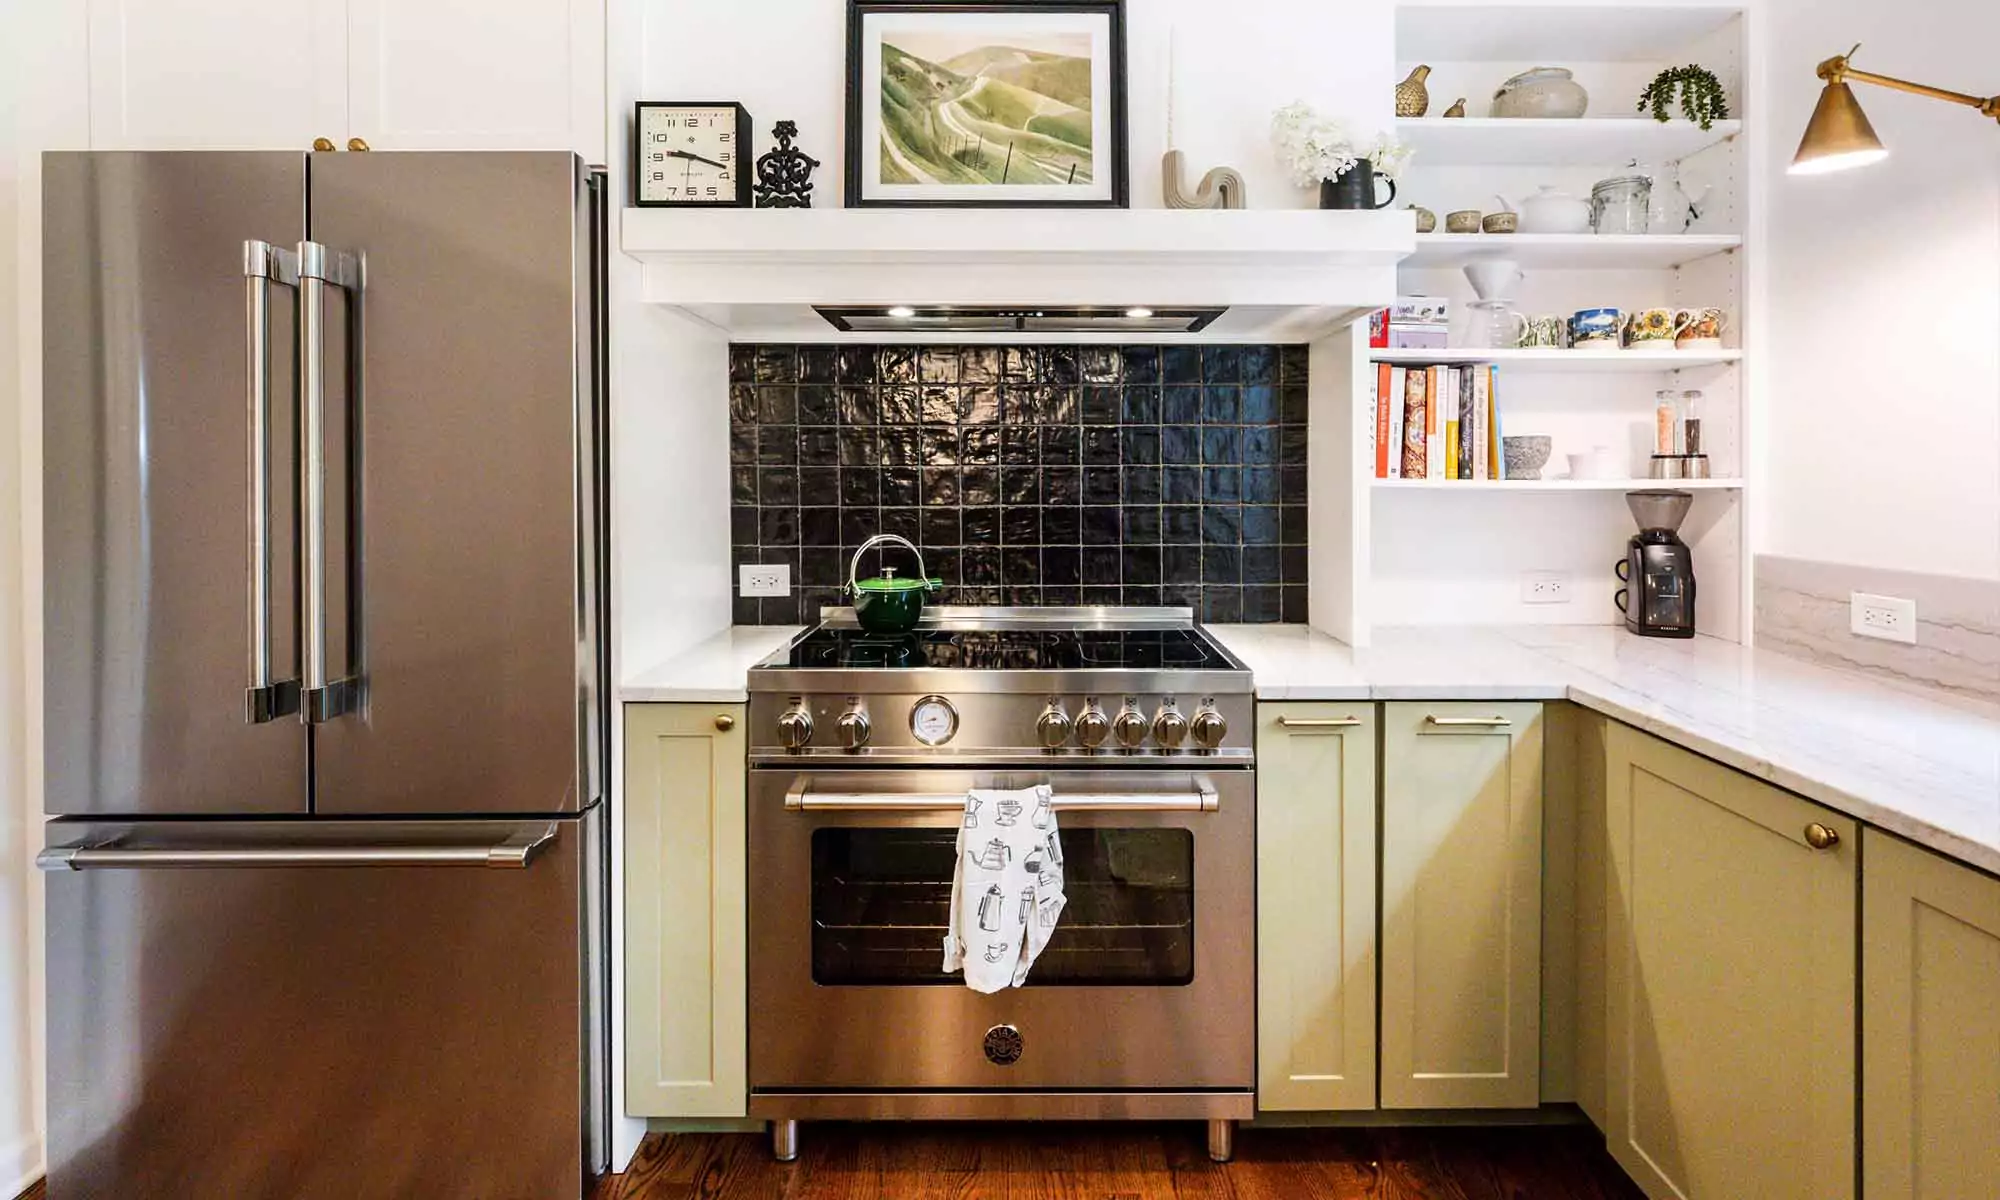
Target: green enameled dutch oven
[886, 604]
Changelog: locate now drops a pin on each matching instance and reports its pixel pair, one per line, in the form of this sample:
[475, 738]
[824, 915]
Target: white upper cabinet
[399, 74]
[477, 75]
[216, 74]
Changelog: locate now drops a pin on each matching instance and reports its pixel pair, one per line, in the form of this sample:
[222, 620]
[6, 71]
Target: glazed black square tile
[1027, 474]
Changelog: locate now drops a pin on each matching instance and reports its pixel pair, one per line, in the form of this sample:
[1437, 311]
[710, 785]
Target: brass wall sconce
[1839, 136]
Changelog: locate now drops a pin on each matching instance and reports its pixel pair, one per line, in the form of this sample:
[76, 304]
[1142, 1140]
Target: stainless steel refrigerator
[325, 674]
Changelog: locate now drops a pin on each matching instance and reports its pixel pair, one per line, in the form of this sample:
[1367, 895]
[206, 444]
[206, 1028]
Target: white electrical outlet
[1887, 617]
[1544, 587]
[764, 579]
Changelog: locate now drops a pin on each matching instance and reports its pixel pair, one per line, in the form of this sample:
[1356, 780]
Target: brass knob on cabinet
[1819, 837]
[356, 144]
[323, 144]
[725, 722]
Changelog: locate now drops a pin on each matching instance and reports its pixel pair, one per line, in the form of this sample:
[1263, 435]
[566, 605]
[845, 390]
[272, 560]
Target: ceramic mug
[1465, 220]
[1698, 328]
[1545, 332]
[1596, 329]
[1652, 328]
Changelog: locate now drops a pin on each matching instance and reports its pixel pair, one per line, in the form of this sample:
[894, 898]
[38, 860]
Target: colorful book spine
[1383, 376]
[1397, 399]
[1468, 423]
[1482, 423]
[1499, 449]
[1453, 423]
[1414, 410]
[1434, 423]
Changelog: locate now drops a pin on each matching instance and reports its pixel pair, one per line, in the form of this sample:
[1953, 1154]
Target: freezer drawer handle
[319, 268]
[517, 852]
[266, 699]
[801, 799]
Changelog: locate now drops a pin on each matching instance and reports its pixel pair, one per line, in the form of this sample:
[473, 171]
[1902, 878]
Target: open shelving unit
[1452, 552]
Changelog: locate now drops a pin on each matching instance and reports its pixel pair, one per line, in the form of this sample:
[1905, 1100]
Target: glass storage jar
[1620, 205]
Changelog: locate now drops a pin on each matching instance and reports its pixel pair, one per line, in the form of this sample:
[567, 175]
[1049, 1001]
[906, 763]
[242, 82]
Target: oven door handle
[1202, 799]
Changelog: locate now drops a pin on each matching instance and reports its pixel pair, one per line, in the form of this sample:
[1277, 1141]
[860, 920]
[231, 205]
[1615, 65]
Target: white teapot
[1551, 211]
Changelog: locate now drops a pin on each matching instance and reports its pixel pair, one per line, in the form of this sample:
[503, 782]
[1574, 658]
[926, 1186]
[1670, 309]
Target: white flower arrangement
[1316, 148]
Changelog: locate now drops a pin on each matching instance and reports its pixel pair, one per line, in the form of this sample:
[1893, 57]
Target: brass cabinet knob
[725, 722]
[1819, 837]
[356, 144]
[323, 144]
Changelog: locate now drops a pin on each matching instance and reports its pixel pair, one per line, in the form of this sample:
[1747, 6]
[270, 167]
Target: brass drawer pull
[1319, 722]
[1468, 722]
[725, 722]
[1820, 837]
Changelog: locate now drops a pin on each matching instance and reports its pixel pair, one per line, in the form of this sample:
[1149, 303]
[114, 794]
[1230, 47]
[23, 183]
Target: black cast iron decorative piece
[784, 175]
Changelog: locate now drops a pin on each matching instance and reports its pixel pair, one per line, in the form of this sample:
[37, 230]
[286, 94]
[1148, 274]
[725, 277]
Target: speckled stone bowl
[1527, 455]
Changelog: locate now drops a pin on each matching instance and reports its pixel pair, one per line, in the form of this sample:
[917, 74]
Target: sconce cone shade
[1838, 136]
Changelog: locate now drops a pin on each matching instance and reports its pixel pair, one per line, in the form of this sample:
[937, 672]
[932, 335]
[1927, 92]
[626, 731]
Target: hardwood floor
[40, 1191]
[1126, 1162]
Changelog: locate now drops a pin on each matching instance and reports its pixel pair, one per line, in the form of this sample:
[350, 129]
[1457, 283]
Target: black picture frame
[745, 163]
[858, 10]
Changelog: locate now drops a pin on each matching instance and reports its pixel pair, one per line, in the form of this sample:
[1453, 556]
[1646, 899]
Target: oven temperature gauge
[933, 720]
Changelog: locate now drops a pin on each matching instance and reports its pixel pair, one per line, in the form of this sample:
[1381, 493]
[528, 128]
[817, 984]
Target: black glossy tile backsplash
[1026, 474]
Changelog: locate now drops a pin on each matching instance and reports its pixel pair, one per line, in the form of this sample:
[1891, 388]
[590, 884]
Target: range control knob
[1053, 726]
[1170, 728]
[1131, 727]
[1209, 728]
[854, 728]
[795, 727]
[1092, 727]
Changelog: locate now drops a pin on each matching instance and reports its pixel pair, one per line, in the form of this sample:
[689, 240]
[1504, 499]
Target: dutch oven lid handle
[854, 564]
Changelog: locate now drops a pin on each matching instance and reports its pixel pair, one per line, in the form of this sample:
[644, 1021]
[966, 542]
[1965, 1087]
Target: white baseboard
[20, 1166]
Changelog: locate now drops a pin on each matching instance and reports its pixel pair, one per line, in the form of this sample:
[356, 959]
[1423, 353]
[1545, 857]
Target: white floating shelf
[1577, 362]
[1570, 251]
[1487, 142]
[1461, 32]
[1556, 485]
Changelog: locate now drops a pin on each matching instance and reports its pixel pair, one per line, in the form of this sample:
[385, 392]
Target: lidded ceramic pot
[1542, 92]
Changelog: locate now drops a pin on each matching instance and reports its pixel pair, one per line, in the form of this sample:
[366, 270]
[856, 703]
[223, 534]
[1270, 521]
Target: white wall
[1882, 427]
[1238, 62]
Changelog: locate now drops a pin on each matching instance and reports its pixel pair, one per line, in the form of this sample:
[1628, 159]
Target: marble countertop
[1916, 763]
[715, 671]
[1913, 762]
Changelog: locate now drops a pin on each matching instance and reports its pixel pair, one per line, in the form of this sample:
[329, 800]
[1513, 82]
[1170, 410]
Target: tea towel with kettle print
[1007, 891]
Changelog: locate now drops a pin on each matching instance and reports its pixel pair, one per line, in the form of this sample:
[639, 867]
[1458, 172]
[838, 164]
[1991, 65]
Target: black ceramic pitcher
[1355, 188]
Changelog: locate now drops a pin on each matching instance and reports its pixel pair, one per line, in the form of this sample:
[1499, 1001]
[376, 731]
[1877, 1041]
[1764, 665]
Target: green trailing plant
[1700, 92]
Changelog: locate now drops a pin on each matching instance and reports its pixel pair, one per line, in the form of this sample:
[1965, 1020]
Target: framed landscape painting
[986, 105]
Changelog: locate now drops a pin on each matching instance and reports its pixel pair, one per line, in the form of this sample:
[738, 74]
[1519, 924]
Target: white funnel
[1493, 278]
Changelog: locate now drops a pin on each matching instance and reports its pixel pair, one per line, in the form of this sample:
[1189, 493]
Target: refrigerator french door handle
[267, 698]
[325, 699]
[518, 851]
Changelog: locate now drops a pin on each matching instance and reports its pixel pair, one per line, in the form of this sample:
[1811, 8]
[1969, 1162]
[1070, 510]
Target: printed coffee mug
[1543, 332]
[1652, 328]
[1596, 329]
[1698, 328]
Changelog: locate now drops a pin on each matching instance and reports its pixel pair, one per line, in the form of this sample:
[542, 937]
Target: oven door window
[881, 899]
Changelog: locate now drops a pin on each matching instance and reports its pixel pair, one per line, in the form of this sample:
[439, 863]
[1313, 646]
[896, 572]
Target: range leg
[785, 1140]
[1221, 1140]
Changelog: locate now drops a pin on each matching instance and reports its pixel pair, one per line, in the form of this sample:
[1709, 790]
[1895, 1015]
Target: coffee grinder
[1658, 571]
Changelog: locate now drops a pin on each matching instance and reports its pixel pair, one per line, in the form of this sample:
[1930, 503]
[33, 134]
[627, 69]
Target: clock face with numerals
[692, 155]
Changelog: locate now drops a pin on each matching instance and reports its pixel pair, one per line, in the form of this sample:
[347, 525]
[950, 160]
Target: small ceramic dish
[1501, 222]
[1463, 221]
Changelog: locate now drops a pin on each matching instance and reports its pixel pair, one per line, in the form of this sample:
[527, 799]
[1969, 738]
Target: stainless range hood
[904, 319]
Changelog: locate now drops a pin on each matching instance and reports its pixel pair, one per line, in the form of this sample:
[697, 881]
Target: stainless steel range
[862, 747]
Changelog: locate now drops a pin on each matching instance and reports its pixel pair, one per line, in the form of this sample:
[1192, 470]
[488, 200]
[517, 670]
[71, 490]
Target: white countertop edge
[713, 671]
